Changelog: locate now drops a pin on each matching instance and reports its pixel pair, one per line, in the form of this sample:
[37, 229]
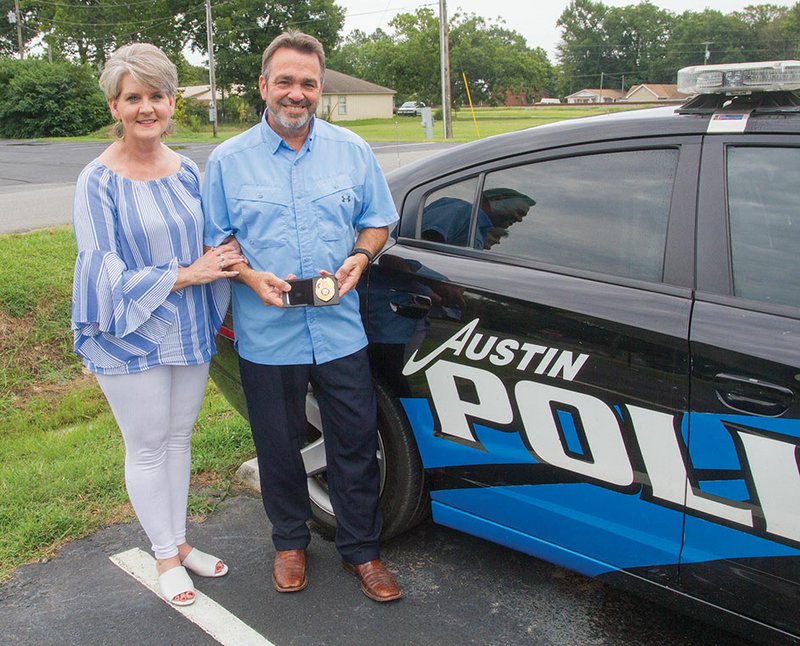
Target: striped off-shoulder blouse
[132, 236]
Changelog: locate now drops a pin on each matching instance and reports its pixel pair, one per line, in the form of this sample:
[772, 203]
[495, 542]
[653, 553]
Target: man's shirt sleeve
[378, 209]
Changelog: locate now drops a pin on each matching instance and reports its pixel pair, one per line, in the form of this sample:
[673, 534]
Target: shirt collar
[274, 140]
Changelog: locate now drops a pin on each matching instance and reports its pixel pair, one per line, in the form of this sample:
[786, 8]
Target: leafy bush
[190, 113]
[41, 99]
[237, 110]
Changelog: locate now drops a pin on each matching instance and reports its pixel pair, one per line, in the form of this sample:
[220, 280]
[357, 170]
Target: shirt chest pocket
[336, 201]
[265, 215]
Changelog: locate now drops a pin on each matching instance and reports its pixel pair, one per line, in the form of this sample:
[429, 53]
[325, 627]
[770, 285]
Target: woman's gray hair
[298, 41]
[146, 64]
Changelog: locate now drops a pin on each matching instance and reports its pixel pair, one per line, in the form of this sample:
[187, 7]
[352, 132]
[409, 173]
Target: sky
[535, 20]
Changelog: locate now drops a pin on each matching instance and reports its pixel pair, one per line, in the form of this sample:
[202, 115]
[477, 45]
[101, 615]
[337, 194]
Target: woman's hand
[212, 265]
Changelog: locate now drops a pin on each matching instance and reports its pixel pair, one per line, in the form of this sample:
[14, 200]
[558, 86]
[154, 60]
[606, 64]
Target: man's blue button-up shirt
[295, 213]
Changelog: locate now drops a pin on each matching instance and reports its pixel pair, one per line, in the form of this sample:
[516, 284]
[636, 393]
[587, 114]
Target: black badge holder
[312, 292]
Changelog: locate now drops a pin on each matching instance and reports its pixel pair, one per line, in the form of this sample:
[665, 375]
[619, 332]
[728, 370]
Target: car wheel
[404, 496]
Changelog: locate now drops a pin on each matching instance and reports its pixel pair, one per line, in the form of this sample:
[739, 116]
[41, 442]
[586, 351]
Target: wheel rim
[315, 462]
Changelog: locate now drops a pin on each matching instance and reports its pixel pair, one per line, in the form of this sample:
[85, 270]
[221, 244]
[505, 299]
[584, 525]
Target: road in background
[37, 178]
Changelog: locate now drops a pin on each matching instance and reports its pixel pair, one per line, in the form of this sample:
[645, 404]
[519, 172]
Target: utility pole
[601, 87]
[444, 51]
[707, 55]
[18, 20]
[212, 106]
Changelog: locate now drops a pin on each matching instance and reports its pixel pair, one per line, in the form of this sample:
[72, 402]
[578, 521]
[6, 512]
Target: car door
[743, 496]
[542, 357]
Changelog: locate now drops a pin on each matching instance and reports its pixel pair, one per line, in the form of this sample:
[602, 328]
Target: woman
[147, 302]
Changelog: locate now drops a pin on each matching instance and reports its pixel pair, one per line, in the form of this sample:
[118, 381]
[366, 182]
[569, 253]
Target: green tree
[496, 60]
[644, 44]
[584, 51]
[767, 24]
[365, 57]
[29, 21]
[89, 30]
[414, 67]
[729, 39]
[785, 33]
[243, 29]
[40, 99]
[639, 36]
[189, 74]
[627, 44]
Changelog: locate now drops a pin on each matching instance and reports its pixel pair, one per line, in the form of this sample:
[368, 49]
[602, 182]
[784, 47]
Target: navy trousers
[276, 397]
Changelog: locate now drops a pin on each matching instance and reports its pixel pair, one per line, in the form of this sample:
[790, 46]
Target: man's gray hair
[146, 64]
[298, 41]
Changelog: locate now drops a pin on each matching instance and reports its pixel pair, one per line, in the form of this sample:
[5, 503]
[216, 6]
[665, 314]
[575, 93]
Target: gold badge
[325, 288]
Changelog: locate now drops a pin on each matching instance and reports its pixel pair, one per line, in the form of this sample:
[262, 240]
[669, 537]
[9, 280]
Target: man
[506, 206]
[448, 219]
[303, 198]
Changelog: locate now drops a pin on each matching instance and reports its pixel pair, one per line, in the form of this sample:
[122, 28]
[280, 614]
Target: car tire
[404, 495]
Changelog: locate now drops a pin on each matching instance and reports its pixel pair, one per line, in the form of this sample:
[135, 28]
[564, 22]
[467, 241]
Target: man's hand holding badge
[312, 292]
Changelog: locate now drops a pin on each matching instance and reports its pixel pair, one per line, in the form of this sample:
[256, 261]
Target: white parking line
[206, 613]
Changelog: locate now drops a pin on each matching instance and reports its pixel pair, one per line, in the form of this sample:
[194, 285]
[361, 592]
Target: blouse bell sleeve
[119, 312]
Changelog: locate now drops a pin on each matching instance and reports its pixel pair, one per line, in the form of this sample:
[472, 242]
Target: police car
[586, 346]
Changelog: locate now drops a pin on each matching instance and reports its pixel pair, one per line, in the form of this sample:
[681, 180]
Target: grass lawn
[486, 122]
[61, 453]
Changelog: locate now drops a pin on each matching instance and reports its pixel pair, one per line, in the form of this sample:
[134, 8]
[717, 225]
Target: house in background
[658, 92]
[200, 93]
[606, 95]
[346, 98]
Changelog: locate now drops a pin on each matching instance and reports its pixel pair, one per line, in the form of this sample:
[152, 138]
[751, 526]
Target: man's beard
[293, 123]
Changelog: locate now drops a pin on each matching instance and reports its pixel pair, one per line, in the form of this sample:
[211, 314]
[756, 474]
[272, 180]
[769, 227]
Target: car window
[764, 223]
[447, 214]
[603, 212]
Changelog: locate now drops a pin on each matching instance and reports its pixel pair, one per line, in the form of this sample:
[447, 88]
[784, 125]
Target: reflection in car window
[602, 212]
[447, 214]
[765, 223]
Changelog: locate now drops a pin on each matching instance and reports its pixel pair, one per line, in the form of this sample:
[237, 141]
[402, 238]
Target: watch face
[325, 288]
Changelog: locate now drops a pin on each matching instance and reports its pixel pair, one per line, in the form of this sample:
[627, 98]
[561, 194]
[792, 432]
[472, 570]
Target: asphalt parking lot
[458, 590]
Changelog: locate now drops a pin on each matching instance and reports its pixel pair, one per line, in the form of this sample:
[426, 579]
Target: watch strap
[370, 256]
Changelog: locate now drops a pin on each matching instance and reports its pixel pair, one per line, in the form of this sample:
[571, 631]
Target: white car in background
[410, 109]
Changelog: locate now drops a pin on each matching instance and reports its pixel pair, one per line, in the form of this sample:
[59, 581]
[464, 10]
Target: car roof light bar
[737, 78]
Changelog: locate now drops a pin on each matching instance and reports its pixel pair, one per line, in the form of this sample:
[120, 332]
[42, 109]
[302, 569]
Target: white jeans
[156, 411]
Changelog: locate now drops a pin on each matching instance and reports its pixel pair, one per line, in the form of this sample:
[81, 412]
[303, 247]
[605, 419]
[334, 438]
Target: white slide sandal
[176, 581]
[204, 564]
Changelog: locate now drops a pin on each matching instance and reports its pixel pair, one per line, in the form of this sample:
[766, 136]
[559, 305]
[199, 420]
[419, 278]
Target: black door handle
[750, 395]
[413, 306]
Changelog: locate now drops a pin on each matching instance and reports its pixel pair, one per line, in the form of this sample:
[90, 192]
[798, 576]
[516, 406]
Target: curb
[247, 475]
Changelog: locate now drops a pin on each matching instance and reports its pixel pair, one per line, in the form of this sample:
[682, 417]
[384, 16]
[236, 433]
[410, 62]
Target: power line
[98, 7]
